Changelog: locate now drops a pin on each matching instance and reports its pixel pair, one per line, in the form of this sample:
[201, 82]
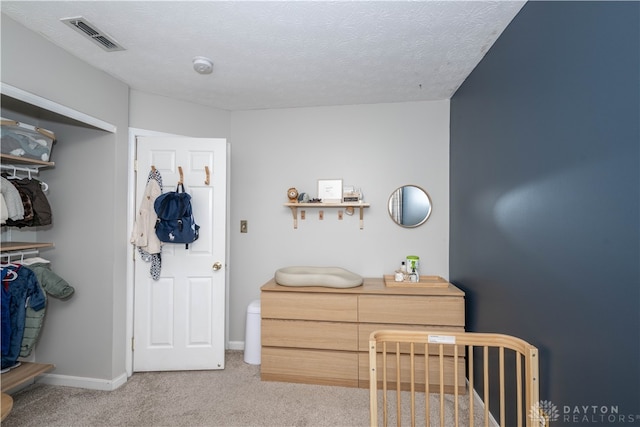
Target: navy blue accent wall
[545, 192]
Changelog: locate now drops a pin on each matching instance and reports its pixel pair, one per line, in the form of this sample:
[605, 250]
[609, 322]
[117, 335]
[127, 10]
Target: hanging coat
[24, 291]
[144, 235]
[53, 285]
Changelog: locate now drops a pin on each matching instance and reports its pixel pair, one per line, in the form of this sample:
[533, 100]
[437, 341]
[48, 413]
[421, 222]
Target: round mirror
[409, 206]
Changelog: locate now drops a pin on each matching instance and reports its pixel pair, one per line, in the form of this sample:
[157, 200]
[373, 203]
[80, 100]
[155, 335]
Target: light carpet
[234, 396]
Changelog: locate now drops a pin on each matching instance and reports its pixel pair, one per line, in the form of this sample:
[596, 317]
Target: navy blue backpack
[175, 223]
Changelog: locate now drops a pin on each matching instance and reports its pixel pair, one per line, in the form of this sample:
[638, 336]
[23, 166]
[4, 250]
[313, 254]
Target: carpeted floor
[234, 396]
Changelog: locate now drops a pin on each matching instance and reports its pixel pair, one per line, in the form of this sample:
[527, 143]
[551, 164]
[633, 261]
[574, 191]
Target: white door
[179, 319]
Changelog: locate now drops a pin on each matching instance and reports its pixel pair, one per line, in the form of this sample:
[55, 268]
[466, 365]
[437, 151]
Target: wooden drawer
[310, 366]
[365, 329]
[310, 334]
[405, 374]
[309, 306]
[413, 310]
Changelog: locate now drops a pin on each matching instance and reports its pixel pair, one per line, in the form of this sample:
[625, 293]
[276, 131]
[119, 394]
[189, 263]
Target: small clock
[292, 193]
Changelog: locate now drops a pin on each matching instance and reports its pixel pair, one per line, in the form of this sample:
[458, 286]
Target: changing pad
[331, 277]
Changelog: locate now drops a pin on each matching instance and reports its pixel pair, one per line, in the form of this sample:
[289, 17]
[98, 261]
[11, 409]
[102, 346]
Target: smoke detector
[202, 65]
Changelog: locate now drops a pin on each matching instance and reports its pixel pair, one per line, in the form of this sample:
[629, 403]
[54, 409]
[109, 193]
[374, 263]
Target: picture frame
[330, 190]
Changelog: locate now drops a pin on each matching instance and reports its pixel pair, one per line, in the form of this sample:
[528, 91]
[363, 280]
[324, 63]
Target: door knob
[217, 266]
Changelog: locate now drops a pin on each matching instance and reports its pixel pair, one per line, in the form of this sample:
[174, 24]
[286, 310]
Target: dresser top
[371, 285]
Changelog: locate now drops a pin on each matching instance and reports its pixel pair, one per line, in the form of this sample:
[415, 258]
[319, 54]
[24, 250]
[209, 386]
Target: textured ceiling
[280, 54]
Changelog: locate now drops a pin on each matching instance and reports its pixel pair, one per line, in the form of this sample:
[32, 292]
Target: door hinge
[133, 343]
[135, 165]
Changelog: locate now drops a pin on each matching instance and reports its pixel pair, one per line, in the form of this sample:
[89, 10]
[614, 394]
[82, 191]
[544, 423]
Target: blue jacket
[24, 291]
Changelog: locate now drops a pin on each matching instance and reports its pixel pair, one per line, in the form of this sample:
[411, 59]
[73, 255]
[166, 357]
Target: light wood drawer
[309, 306]
[365, 329]
[310, 366]
[310, 334]
[405, 374]
[416, 310]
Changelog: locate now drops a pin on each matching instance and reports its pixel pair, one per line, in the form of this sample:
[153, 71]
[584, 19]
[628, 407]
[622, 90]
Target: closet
[22, 144]
[72, 129]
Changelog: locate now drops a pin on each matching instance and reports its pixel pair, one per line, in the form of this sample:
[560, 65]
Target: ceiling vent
[91, 32]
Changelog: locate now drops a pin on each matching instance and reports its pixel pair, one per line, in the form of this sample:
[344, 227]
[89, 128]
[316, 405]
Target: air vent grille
[90, 31]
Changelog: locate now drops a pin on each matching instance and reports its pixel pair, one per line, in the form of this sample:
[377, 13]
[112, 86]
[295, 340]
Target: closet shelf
[22, 246]
[23, 373]
[17, 160]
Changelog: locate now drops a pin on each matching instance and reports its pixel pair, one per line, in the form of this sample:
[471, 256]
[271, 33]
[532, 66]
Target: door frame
[131, 252]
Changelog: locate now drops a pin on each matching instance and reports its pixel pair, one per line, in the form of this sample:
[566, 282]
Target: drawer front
[416, 310]
[365, 329]
[310, 366]
[405, 373]
[309, 306]
[309, 334]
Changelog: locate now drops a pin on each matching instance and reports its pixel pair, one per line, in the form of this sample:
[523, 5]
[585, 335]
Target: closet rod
[20, 168]
[20, 254]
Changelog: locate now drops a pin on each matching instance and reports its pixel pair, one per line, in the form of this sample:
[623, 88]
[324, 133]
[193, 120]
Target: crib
[408, 372]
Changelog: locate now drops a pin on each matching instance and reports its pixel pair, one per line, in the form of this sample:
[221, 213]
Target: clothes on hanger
[24, 291]
[36, 207]
[143, 235]
[24, 303]
[52, 285]
[15, 209]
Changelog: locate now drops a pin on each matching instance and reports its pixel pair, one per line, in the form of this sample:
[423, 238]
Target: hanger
[181, 175]
[153, 168]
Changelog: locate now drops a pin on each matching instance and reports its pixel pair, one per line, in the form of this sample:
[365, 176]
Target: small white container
[252, 344]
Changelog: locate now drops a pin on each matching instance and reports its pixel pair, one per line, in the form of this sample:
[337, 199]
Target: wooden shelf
[9, 159]
[23, 373]
[294, 209]
[21, 246]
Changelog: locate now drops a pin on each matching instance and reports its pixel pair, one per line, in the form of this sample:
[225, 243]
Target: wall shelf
[295, 206]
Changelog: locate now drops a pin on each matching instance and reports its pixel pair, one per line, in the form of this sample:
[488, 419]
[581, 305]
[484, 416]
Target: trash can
[252, 334]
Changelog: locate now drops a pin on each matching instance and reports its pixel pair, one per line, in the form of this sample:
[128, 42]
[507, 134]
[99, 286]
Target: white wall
[377, 147]
[162, 114]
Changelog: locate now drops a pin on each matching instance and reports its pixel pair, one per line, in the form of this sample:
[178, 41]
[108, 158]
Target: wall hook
[208, 175]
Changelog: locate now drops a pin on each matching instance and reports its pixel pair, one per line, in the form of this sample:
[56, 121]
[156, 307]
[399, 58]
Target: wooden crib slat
[441, 370]
[398, 382]
[519, 388]
[455, 384]
[426, 381]
[502, 404]
[471, 388]
[412, 370]
[384, 382]
[486, 385]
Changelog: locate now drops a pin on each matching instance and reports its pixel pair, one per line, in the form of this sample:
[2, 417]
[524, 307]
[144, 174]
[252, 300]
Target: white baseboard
[236, 345]
[83, 382]
[97, 383]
